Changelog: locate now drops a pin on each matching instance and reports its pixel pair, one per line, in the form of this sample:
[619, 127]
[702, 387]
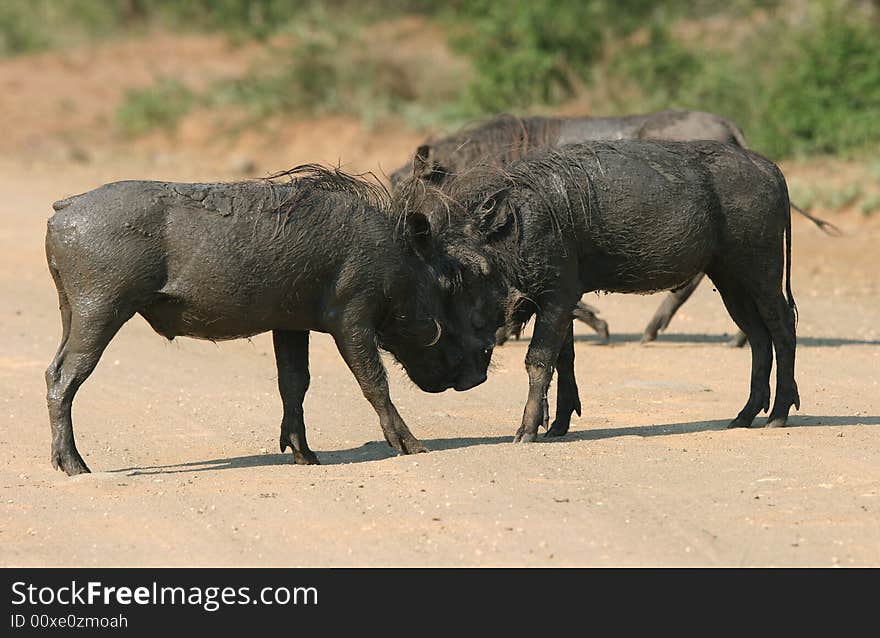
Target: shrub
[827, 87]
[870, 205]
[527, 53]
[838, 199]
[156, 106]
[20, 29]
[664, 70]
[335, 66]
[810, 89]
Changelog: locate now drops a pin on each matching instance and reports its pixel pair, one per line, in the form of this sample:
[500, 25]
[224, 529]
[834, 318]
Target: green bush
[20, 29]
[243, 18]
[805, 81]
[664, 70]
[33, 25]
[827, 87]
[870, 205]
[159, 106]
[532, 52]
[29, 25]
[838, 199]
[811, 89]
[333, 66]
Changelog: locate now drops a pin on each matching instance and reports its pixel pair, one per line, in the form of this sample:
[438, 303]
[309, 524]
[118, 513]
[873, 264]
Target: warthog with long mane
[224, 261]
[505, 138]
[632, 217]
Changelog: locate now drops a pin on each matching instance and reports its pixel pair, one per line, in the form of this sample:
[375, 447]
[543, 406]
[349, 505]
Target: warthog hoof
[557, 429]
[70, 463]
[778, 422]
[739, 423]
[411, 446]
[305, 457]
[524, 437]
[737, 341]
[604, 334]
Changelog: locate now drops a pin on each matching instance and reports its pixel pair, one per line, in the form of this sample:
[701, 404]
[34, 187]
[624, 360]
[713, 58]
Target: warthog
[632, 217]
[224, 261]
[506, 138]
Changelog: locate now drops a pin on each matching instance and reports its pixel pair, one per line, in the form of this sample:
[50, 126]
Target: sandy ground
[181, 436]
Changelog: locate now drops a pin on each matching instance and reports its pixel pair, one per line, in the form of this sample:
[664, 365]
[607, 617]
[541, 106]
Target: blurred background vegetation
[799, 76]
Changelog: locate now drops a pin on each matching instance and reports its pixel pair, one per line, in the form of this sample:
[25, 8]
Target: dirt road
[182, 438]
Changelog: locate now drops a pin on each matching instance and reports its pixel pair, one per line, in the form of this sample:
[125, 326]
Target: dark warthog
[628, 216]
[506, 138]
[225, 261]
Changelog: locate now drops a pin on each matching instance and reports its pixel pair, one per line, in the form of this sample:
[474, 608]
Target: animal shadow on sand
[379, 450]
[698, 339]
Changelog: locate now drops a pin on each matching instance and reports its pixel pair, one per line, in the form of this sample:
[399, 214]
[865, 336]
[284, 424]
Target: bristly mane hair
[498, 141]
[563, 183]
[415, 194]
[332, 179]
[483, 147]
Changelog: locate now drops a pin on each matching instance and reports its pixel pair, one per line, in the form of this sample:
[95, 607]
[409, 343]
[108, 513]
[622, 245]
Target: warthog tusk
[439, 332]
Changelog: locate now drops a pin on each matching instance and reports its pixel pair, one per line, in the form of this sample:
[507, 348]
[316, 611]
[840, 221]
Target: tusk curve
[439, 332]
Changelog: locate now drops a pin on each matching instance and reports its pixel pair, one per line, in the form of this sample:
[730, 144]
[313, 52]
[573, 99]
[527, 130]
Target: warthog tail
[826, 227]
[788, 294]
[737, 134]
[63, 203]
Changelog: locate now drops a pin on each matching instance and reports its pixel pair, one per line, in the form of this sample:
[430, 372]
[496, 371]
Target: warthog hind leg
[87, 329]
[292, 359]
[673, 301]
[742, 308]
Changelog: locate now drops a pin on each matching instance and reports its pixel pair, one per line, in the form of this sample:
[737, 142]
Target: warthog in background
[633, 217]
[506, 138]
[226, 261]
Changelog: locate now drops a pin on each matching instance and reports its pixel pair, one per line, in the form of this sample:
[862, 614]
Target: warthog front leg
[292, 359]
[552, 326]
[357, 344]
[567, 400]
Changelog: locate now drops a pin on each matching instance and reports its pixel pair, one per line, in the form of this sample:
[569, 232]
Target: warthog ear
[495, 216]
[426, 167]
[419, 230]
[423, 165]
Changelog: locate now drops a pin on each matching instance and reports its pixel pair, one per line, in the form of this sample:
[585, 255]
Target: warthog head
[446, 341]
[468, 249]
